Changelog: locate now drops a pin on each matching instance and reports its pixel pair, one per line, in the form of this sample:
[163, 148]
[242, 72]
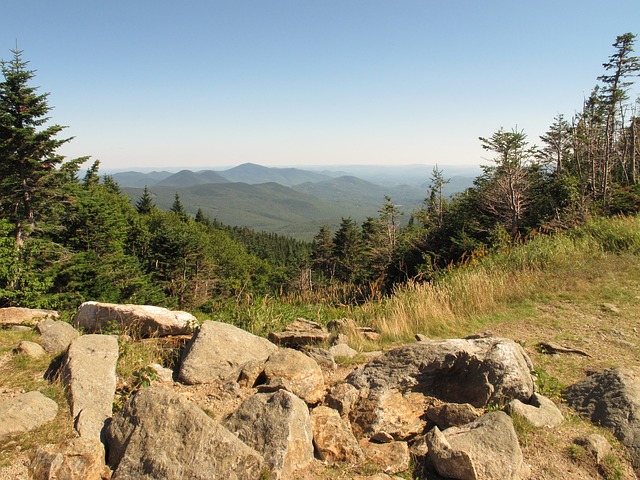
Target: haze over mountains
[291, 201]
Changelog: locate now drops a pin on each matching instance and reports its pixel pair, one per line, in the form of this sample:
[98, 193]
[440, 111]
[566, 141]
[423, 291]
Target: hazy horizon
[213, 83]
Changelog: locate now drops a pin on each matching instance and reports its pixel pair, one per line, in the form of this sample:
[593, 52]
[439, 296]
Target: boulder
[486, 449]
[333, 438]
[30, 349]
[299, 371]
[322, 356]
[278, 426]
[391, 412]
[161, 435]
[611, 398]
[90, 375]
[75, 459]
[343, 350]
[25, 412]
[477, 371]
[539, 412]
[596, 445]
[453, 414]
[342, 397]
[300, 333]
[55, 335]
[219, 351]
[393, 457]
[137, 320]
[25, 316]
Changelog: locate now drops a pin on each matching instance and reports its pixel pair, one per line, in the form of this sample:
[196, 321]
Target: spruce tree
[31, 171]
[145, 204]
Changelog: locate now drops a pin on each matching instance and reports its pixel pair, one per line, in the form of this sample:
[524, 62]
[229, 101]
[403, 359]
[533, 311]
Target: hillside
[252, 174]
[187, 178]
[269, 206]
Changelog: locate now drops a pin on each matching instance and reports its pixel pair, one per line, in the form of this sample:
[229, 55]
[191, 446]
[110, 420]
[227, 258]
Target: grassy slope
[580, 289]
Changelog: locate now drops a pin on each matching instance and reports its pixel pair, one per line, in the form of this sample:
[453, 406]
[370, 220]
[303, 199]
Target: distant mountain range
[289, 201]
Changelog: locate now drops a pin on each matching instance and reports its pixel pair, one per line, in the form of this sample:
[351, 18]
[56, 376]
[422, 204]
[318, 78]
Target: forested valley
[67, 238]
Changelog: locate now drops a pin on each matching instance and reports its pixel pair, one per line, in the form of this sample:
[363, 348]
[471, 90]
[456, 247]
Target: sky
[209, 84]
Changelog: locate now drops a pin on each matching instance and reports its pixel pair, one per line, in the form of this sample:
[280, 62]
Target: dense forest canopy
[65, 240]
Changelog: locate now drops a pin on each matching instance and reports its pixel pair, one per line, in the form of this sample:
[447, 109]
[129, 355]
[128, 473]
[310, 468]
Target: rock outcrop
[278, 426]
[90, 375]
[136, 320]
[477, 371]
[486, 449]
[161, 435]
[219, 351]
[611, 398]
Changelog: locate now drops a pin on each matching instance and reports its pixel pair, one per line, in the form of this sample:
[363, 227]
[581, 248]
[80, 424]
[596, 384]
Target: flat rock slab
[477, 371]
[136, 320]
[486, 449]
[55, 335]
[90, 375]
[161, 435]
[25, 316]
[300, 333]
[25, 412]
[219, 351]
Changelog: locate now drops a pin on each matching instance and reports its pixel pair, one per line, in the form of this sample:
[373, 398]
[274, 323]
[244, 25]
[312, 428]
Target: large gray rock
[25, 413]
[219, 351]
[278, 426]
[611, 398]
[55, 335]
[136, 320]
[90, 375]
[161, 435]
[486, 449]
[75, 459]
[477, 371]
[300, 373]
[25, 316]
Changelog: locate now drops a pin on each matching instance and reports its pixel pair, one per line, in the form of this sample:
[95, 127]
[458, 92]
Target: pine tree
[178, 209]
[31, 172]
[145, 204]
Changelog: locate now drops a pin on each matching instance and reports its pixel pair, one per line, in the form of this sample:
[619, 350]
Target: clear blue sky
[155, 83]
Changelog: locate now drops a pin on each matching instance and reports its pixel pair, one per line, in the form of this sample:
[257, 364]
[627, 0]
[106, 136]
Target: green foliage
[547, 385]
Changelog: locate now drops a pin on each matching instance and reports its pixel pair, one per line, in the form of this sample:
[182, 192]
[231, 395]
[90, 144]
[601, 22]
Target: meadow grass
[465, 298]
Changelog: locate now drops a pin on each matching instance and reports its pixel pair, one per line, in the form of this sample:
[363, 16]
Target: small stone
[30, 349]
[343, 350]
[596, 445]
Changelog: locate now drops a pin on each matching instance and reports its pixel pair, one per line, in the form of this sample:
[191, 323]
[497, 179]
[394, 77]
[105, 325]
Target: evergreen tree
[178, 209]
[322, 252]
[348, 249]
[31, 172]
[145, 204]
[506, 193]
